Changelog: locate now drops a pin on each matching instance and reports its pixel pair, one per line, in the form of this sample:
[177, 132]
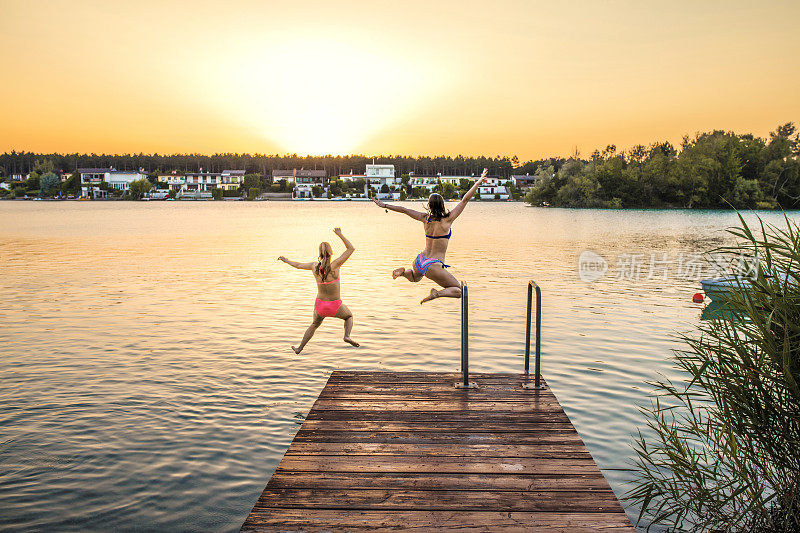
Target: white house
[175, 181]
[379, 175]
[493, 188]
[304, 180]
[121, 179]
[92, 178]
[232, 179]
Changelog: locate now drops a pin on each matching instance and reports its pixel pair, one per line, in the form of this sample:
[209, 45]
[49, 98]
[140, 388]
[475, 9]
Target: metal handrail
[537, 374]
[465, 383]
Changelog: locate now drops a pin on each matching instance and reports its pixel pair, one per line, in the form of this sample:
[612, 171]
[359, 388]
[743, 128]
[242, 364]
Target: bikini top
[440, 236]
[328, 282]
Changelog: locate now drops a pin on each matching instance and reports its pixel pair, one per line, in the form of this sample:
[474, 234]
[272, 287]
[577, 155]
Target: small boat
[717, 288]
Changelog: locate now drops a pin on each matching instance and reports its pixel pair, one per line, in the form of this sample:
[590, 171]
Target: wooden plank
[365, 520]
[440, 500]
[455, 426]
[554, 451]
[523, 406]
[438, 481]
[452, 465]
[411, 437]
[510, 418]
[408, 450]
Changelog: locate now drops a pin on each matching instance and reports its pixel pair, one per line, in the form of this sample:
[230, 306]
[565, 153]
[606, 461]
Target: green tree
[216, 193]
[41, 167]
[138, 188]
[252, 181]
[48, 183]
[253, 193]
[448, 191]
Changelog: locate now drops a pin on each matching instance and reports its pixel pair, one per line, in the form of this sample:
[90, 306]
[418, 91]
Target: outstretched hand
[338, 231]
[281, 258]
[484, 174]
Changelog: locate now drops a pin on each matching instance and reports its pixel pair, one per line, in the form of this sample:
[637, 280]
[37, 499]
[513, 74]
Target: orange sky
[503, 77]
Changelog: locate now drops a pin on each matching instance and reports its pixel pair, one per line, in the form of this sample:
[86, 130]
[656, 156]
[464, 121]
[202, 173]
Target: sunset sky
[504, 77]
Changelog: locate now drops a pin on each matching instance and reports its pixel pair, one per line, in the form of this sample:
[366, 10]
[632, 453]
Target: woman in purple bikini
[430, 262]
[329, 300]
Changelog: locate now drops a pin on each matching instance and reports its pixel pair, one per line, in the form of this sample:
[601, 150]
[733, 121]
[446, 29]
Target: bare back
[437, 248]
[328, 289]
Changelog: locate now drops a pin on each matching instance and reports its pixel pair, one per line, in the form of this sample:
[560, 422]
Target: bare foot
[433, 295]
[397, 272]
[297, 350]
[348, 340]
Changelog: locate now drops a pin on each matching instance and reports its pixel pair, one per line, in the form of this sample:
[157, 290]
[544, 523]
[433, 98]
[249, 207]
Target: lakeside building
[19, 176]
[352, 177]
[378, 175]
[174, 180]
[524, 182]
[304, 180]
[494, 188]
[93, 178]
[203, 182]
[430, 181]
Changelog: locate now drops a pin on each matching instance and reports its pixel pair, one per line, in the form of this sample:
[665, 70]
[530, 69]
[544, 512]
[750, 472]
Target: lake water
[146, 379]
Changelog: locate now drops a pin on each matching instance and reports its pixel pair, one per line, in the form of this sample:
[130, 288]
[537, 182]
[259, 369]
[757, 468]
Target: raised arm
[416, 215]
[339, 261]
[468, 196]
[301, 266]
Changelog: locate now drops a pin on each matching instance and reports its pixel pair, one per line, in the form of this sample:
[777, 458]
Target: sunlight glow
[320, 96]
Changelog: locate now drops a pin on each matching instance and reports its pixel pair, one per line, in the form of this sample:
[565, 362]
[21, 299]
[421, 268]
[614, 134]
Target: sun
[321, 96]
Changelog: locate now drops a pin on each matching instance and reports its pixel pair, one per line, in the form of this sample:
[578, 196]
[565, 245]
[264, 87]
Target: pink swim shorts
[327, 307]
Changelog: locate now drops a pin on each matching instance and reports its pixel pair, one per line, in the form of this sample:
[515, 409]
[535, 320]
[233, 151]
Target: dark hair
[436, 210]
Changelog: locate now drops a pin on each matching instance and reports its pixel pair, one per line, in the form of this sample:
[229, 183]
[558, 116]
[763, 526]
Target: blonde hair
[324, 264]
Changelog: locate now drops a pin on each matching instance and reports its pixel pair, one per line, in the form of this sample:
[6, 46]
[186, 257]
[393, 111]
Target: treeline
[712, 170]
[264, 164]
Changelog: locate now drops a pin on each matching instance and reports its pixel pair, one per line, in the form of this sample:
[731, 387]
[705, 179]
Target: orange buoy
[697, 298]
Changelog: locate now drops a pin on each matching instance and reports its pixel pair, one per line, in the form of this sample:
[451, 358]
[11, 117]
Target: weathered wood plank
[452, 465]
[523, 406]
[442, 426]
[463, 521]
[440, 500]
[438, 481]
[553, 451]
[511, 418]
[411, 437]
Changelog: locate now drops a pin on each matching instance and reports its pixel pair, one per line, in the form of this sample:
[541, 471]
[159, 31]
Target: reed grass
[721, 451]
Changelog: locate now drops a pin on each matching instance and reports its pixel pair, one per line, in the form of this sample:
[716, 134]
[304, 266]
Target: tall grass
[723, 448]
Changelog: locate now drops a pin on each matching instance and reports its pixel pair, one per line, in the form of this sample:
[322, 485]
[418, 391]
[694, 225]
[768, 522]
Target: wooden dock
[409, 451]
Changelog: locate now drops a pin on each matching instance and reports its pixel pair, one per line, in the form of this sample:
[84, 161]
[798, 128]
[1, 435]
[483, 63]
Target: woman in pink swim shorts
[329, 301]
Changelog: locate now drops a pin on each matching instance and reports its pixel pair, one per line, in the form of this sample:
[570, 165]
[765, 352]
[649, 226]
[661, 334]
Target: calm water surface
[146, 379]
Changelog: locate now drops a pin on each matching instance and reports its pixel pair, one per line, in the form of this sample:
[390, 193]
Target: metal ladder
[537, 383]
